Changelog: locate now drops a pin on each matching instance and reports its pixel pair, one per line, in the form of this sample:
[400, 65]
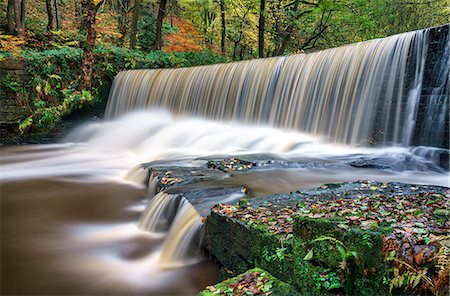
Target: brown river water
[66, 238]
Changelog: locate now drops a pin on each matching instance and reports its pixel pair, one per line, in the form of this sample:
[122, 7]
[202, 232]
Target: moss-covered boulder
[252, 282]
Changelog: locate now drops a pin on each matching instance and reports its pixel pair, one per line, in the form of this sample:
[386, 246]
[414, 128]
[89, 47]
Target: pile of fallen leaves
[169, 180]
[12, 44]
[251, 283]
[231, 164]
[277, 220]
[418, 223]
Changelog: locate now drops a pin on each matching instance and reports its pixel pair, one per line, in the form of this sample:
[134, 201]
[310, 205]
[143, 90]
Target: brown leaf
[418, 258]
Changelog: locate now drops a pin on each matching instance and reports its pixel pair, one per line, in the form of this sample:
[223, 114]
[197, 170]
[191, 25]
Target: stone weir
[391, 91]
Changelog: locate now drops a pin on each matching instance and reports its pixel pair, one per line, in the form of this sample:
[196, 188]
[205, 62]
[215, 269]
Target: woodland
[55, 37]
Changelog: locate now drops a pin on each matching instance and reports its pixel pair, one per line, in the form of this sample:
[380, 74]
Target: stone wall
[12, 111]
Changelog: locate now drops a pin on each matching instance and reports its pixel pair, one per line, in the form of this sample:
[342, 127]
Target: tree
[16, 16]
[50, 24]
[134, 22]
[122, 8]
[56, 14]
[147, 29]
[89, 10]
[159, 23]
[262, 13]
[10, 17]
[224, 29]
[243, 21]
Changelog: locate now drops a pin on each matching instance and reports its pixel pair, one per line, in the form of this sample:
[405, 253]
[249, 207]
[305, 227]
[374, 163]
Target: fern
[442, 258]
[409, 278]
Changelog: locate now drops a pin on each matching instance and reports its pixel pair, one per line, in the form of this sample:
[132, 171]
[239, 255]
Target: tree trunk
[50, 24]
[134, 23]
[235, 50]
[10, 17]
[122, 20]
[222, 14]
[262, 13]
[17, 14]
[159, 23]
[22, 14]
[83, 15]
[88, 46]
[56, 14]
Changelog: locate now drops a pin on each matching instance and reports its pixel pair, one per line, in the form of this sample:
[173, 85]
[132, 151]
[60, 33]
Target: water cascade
[183, 242]
[362, 93]
[174, 214]
[160, 212]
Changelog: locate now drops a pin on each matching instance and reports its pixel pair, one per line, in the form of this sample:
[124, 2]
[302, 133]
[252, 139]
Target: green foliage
[169, 29]
[10, 84]
[331, 279]
[4, 54]
[147, 29]
[278, 256]
[53, 89]
[328, 280]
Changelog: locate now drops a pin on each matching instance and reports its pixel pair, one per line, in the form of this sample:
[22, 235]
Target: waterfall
[362, 93]
[174, 214]
[184, 239]
[160, 212]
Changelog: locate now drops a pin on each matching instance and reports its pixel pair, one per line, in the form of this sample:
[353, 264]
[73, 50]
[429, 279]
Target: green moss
[359, 250]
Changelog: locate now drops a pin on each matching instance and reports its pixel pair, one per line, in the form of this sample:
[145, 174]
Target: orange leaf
[418, 258]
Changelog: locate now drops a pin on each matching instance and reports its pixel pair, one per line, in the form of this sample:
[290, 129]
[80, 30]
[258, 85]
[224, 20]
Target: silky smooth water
[357, 94]
[72, 214]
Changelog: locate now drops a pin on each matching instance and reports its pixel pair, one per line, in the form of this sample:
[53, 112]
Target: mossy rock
[241, 247]
[358, 249]
[253, 281]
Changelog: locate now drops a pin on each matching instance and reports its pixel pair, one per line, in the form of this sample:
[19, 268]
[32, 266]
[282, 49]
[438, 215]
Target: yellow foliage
[12, 44]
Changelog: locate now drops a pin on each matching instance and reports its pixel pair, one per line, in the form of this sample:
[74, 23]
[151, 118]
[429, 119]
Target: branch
[295, 2]
[99, 4]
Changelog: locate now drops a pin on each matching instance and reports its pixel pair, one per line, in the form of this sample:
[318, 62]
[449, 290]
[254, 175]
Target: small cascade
[174, 214]
[160, 212]
[184, 239]
[152, 188]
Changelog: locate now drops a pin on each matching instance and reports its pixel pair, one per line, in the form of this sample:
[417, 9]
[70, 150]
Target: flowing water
[84, 217]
